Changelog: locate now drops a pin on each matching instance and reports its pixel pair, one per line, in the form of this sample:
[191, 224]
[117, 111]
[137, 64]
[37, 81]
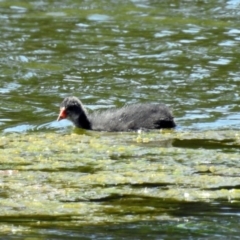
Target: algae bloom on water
[46, 177]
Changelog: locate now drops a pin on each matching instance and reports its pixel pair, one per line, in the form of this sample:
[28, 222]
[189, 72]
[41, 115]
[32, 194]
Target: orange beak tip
[59, 118]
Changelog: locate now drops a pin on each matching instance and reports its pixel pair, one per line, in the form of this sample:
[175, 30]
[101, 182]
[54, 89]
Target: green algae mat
[99, 178]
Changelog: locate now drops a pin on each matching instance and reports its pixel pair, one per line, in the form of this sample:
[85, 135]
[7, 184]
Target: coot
[127, 118]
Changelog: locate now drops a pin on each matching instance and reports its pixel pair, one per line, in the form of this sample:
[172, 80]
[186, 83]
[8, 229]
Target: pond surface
[58, 182]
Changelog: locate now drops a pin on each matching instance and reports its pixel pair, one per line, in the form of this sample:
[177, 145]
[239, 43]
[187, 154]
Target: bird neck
[82, 121]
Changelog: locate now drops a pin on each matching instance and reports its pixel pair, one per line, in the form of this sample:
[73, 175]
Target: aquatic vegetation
[49, 175]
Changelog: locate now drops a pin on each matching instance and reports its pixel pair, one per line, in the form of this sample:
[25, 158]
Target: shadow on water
[228, 145]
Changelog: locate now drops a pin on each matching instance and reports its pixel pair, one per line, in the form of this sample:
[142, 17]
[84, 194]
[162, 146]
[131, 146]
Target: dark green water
[182, 184]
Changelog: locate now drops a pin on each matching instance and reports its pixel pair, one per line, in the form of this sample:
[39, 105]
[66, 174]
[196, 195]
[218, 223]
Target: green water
[61, 183]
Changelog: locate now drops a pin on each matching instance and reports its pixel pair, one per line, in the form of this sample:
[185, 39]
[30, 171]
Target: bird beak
[62, 114]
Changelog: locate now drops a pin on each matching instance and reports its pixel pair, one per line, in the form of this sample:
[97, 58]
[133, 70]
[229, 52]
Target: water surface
[61, 183]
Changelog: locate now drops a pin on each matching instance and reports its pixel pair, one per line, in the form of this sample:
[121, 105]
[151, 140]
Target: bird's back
[133, 117]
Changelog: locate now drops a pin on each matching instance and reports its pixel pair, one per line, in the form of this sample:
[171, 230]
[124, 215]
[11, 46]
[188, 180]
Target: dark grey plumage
[131, 117]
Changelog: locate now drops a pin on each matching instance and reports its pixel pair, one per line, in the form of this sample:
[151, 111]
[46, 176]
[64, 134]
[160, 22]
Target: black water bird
[128, 118]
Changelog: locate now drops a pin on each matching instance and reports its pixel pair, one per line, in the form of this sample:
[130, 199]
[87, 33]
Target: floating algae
[64, 177]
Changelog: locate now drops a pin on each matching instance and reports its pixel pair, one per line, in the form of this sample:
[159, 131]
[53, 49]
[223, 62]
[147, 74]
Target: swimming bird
[128, 118]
